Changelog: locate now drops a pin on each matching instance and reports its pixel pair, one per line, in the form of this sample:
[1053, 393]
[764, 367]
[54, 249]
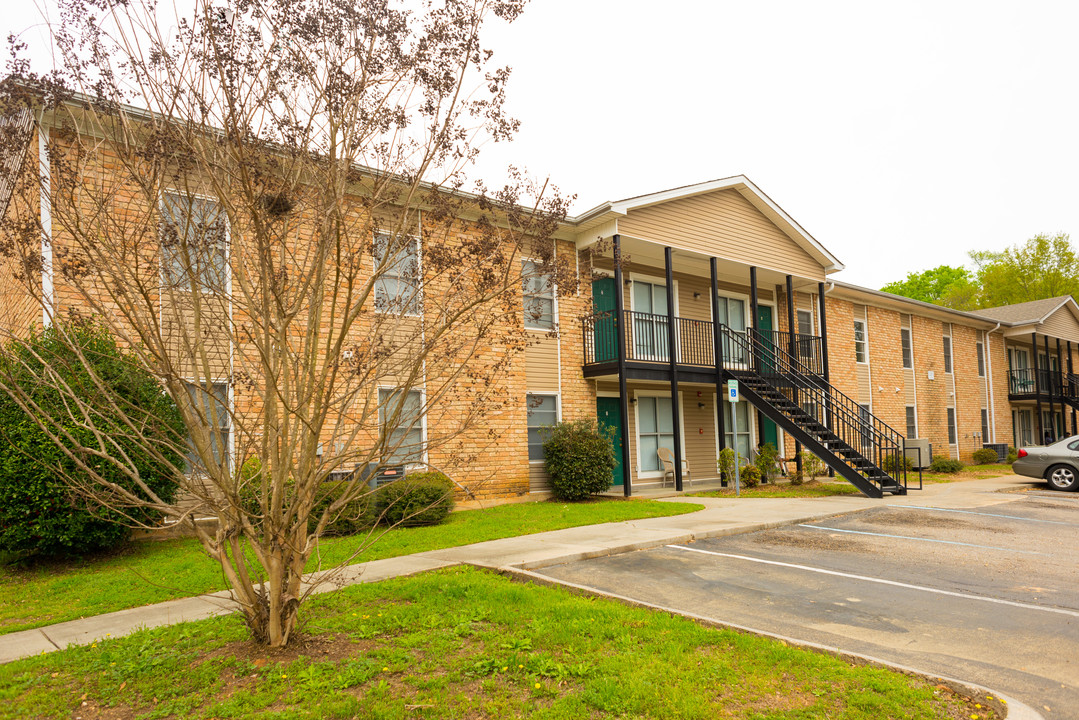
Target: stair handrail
[882, 443]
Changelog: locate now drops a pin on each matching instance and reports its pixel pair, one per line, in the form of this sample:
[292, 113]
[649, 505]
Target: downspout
[989, 381]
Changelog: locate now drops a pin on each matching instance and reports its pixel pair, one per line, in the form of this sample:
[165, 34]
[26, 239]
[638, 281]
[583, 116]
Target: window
[538, 290]
[912, 422]
[806, 349]
[400, 419]
[732, 313]
[212, 409]
[655, 425]
[194, 238]
[860, 354]
[981, 358]
[739, 442]
[542, 412]
[805, 322]
[866, 416]
[985, 425]
[397, 290]
[951, 426]
[947, 354]
[650, 339]
[908, 351]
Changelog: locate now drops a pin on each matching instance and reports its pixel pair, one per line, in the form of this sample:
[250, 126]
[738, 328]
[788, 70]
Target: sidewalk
[721, 516]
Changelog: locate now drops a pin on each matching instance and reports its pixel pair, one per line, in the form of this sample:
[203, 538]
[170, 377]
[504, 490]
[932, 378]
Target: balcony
[648, 344]
[1030, 383]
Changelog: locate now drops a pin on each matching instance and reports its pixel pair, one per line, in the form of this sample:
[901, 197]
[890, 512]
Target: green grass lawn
[811, 488]
[463, 643]
[150, 572]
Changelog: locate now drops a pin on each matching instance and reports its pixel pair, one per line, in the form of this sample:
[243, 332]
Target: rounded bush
[1012, 457]
[422, 498]
[40, 512]
[579, 459]
[985, 456]
[945, 465]
[890, 462]
[750, 476]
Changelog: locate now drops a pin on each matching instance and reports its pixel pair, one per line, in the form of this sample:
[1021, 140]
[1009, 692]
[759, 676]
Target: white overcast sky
[900, 135]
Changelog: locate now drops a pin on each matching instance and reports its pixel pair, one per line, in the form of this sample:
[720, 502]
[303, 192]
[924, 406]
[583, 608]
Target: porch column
[673, 352]
[752, 297]
[754, 335]
[1037, 388]
[1071, 371]
[792, 348]
[717, 353]
[620, 331]
[1050, 389]
[824, 351]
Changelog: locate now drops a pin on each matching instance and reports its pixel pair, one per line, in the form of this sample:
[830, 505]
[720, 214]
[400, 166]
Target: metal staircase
[850, 440]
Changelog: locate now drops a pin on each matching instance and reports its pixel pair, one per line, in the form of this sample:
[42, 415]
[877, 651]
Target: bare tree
[265, 206]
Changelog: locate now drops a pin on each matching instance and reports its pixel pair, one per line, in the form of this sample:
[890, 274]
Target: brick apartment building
[719, 270]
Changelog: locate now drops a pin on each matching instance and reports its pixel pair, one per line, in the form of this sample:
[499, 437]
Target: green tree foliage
[943, 285]
[45, 436]
[1044, 266]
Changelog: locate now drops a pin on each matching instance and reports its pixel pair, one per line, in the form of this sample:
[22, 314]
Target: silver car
[1058, 463]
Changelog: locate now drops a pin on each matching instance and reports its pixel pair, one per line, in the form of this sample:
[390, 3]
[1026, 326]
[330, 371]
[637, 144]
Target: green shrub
[421, 498]
[1012, 457]
[985, 456]
[356, 516]
[890, 463]
[812, 466]
[39, 512]
[768, 461]
[725, 463]
[945, 465]
[751, 476]
[579, 458]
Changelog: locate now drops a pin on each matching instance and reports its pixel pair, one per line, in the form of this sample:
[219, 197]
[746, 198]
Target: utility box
[1000, 448]
[375, 476]
[920, 452]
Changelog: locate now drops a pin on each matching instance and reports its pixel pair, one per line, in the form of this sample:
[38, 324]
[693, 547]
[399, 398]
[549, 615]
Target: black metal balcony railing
[648, 340]
[1028, 381]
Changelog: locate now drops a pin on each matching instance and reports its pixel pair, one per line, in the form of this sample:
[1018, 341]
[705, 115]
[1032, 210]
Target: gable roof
[1035, 311]
[739, 183]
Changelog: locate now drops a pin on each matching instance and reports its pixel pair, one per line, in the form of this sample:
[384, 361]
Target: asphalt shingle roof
[1023, 313]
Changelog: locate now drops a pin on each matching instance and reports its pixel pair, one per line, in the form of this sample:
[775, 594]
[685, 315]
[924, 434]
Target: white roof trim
[738, 182]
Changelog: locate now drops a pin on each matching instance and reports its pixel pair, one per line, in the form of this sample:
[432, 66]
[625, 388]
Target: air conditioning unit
[920, 452]
[1001, 449]
[388, 473]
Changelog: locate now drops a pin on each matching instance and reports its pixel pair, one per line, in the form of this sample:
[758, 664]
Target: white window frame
[949, 353]
[229, 400]
[980, 347]
[906, 353]
[524, 304]
[914, 408]
[418, 299]
[747, 309]
[953, 425]
[864, 341]
[653, 280]
[637, 394]
[423, 419]
[226, 254]
[558, 415]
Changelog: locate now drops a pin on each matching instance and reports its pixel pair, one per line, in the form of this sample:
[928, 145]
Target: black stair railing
[857, 438]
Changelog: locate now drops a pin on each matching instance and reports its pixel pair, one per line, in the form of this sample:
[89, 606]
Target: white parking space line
[921, 539]
[882, 581]
[972, 512]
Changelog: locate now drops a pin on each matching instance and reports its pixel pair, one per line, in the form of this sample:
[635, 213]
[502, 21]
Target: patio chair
[667, 458]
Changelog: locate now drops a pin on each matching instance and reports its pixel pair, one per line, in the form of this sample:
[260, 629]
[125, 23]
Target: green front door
[605, 331]
[609, 414]
[769, 433]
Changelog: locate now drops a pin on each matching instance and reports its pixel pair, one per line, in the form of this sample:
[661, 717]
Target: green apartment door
[605, 331]
[769, 433]
[609, 414]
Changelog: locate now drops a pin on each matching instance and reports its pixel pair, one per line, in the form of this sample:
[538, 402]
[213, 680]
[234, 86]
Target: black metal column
[1049, 380]
[620, 330]
[1037, 388]
[672, 353]
[717, 353]
[793, 350]
[753, 298]
[754, 323]
[1071, 371]
[824, 361]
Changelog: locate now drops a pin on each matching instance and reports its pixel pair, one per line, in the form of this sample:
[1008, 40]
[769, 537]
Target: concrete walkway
[721, 516]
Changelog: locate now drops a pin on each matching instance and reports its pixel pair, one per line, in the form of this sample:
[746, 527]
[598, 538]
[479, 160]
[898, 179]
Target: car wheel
[1062, 477]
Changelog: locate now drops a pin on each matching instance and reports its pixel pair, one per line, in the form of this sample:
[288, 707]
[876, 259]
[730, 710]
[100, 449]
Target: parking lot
[989, 594]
